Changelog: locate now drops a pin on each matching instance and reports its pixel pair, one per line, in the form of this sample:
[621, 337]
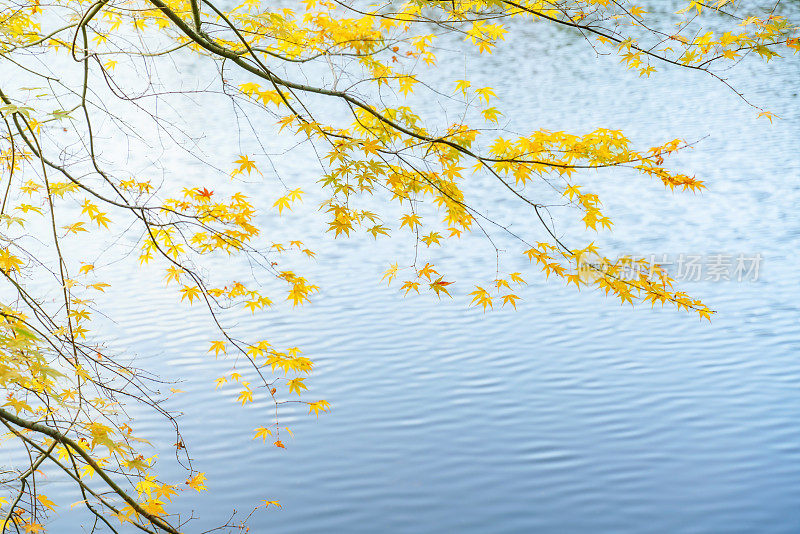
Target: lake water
[572, 414]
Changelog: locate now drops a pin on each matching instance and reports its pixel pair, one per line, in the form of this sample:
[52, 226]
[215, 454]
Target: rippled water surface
[572, 414]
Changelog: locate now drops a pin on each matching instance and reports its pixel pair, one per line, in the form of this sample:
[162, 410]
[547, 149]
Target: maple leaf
[246, 164]
[486, 93]
[166, 491]
[491, 114]
[440, 286]
[318, 406]
[412, 221]
[432, 238]
[296, 385]
[427, 271]
[217, 347]
[190, 292]
[510, 299]
[516, 277]
[76, 227]
[390, 273]
[409, 285]
[197, 482]
[249, 88]
[45, 501]
[481, 297]
[407, 85]
[245, 396]
[463, 85]
[282, 203]
[768, 114]
[378, 230]
[262, 432]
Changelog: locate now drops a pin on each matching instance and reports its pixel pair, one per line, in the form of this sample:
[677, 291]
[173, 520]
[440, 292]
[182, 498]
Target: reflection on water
[571, 415]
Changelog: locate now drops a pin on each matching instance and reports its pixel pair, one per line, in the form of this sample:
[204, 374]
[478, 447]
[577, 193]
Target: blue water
[571, 415]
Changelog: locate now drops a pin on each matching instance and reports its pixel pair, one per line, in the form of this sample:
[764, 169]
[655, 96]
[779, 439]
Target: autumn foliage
[65, 70]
